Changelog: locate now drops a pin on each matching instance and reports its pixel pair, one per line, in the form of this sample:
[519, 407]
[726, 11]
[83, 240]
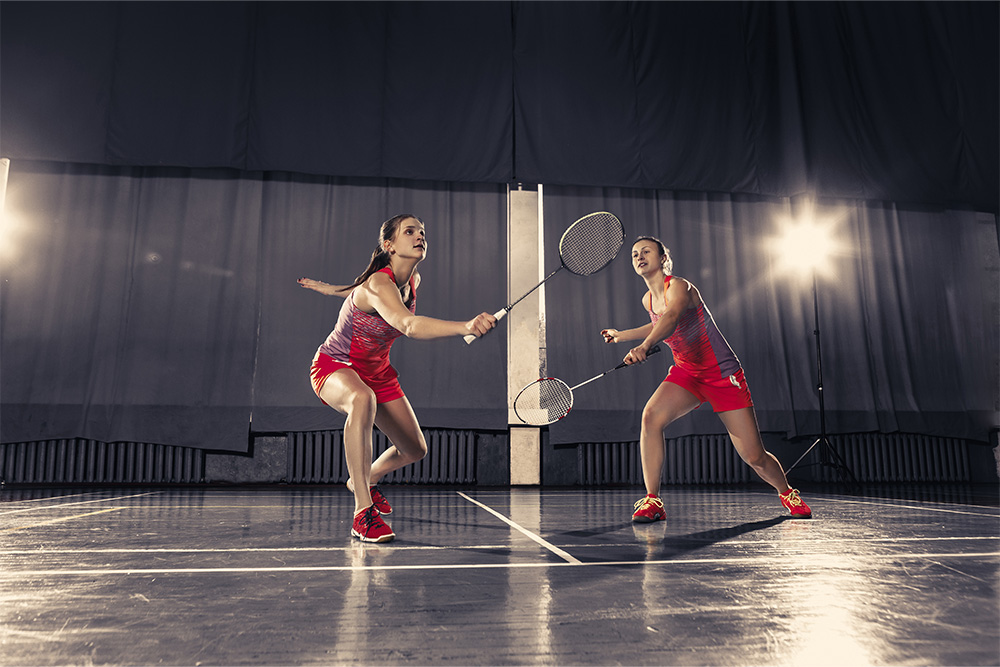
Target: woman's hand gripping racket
[547, 400]
[586, 247]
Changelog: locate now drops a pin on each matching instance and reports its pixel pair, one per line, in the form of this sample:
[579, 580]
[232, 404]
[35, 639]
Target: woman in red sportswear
[351, 371]
[705, 370]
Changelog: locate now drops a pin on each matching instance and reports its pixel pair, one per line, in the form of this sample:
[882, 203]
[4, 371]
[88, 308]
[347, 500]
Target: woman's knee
[361, 404]
[756, 457]
[415, 449]
[346, 393]
[654, 419]
[668, 402]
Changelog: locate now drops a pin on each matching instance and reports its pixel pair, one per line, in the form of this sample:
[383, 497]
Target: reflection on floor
[270, 575]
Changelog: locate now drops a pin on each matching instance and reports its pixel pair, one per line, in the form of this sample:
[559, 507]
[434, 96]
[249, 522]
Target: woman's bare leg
[398, 422]
[743, 429]
[345, 392]
[668, 402]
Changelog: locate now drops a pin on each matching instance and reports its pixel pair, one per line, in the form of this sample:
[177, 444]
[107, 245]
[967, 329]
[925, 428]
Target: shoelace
[643, 502]
[792, 497]
[368, 518]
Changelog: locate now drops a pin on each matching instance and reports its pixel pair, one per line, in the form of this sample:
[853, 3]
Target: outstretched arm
[381, 294]
[326, 288]
[616, 336]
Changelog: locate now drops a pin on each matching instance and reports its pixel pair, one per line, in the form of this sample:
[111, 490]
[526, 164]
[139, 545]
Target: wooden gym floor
[271, 576]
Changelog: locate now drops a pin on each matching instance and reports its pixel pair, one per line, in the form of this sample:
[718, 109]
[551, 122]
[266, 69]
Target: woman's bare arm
[380, 293]
[326, 288]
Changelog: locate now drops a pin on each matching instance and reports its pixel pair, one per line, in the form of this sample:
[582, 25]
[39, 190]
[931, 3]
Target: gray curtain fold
[129, 305]
[161, 305]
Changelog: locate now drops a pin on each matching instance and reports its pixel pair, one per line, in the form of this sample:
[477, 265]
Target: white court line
[456, 547]
[916, 507]
[82, 502]
[176, 550]
[551, 547]
[47, 498]
[821, 564]
[59, 520]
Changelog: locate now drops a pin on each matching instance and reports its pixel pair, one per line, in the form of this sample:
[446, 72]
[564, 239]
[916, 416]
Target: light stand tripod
[836, 461]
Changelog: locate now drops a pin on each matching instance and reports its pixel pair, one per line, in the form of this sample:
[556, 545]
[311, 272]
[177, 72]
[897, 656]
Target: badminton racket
[547, 400]
[586, 247]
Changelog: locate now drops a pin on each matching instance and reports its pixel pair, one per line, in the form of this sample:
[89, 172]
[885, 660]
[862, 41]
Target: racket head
[544, 401]
[590, 243]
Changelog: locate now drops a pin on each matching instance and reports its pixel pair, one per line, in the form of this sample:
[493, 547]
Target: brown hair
[380, 258]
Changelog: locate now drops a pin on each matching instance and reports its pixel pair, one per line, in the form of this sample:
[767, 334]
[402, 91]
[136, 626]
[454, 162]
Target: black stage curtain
[888, 101]
[160, 305]
[894, 101]
[402, 90]
[908, 315]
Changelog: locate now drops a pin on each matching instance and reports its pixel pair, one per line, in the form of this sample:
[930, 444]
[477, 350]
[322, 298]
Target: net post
[526, 325]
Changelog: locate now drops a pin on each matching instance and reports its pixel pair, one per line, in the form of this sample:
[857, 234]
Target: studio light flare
[806, 245]
[13, 229]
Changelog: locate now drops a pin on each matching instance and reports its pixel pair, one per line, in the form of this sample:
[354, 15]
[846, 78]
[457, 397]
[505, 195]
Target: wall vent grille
[712, 459]
[318, 457]
[77, 461]
[695, 459]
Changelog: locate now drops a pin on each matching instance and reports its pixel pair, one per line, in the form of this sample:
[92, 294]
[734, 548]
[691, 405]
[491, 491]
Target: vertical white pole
[526, 326]
[4, 170]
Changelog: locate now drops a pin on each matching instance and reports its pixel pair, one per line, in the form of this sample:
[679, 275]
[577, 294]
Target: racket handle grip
[499, 315]
[653, 350]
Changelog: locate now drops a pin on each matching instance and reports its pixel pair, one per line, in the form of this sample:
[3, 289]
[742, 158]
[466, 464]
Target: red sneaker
[795, 505]
[649, 509]
[378, 498]
[369, 526]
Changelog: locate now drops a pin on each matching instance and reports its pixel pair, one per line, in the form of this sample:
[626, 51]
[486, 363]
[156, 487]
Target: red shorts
[723, 394]
[385, 386]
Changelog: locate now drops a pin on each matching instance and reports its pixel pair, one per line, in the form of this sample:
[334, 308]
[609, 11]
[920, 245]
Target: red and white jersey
[363, 340]
[697, 344]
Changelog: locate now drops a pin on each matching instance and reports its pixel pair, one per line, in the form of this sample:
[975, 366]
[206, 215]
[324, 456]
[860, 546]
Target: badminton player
[351, 371]
[705, 370]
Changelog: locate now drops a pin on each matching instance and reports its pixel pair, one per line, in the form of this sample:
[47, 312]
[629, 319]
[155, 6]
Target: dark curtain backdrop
[908, 319]
[894, 101]
[150, 296]
[128, 308]
[160, 304]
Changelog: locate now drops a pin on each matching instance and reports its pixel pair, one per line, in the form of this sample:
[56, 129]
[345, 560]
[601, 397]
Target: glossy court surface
[270, 576]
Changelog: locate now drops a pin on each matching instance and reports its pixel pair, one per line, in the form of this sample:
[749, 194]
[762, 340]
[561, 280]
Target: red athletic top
[363, 340]
[698, 345]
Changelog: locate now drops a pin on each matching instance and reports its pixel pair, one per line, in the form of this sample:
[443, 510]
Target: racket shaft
[542, 282]
[653, 350]
[596, 377]
[506, 309]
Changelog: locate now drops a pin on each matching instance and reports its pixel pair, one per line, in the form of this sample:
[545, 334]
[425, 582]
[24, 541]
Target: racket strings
[591, 243]
[543, 402]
